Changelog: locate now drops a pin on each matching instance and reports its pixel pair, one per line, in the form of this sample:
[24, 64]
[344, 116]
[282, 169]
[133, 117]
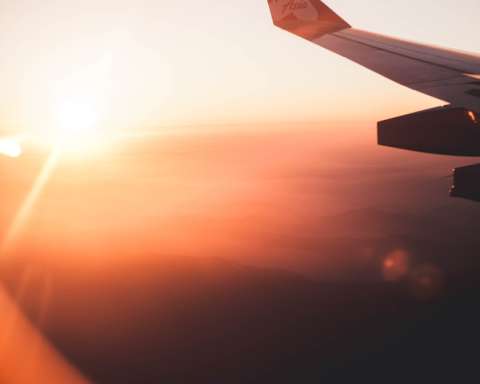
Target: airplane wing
[445, 74]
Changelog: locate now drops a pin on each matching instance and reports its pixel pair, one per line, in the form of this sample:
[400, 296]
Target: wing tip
[309, 19]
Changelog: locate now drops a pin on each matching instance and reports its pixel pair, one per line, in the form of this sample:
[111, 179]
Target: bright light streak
[27, 206]
[10, 148]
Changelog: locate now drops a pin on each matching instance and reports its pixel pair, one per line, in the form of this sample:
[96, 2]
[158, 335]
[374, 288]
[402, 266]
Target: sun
[79, 106]
[77, 125]
[76, 118]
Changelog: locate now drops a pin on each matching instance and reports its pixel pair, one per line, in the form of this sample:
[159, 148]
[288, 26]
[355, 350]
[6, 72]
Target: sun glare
[79, 105]
[77, 126]
[76, 118]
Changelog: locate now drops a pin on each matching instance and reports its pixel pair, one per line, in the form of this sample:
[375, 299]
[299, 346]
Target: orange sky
[153, 65]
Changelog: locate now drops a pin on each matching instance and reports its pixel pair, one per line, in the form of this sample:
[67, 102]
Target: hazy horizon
[218, 194]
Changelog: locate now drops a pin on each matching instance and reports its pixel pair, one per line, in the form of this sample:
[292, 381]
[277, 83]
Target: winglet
[309, 19]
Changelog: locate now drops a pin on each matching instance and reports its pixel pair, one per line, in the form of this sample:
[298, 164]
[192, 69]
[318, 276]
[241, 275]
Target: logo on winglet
[292, 6]
[300, 9]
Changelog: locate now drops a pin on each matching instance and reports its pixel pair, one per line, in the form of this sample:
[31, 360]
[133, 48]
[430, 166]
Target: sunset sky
[79, 72]
[163, 160]
[144, 64]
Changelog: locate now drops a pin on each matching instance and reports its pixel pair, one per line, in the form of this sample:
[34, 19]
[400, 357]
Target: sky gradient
[153, 63]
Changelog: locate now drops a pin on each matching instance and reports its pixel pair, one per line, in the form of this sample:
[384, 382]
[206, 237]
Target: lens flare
[10, 148]
[473, 117]
[427, 282]
[396, 265]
